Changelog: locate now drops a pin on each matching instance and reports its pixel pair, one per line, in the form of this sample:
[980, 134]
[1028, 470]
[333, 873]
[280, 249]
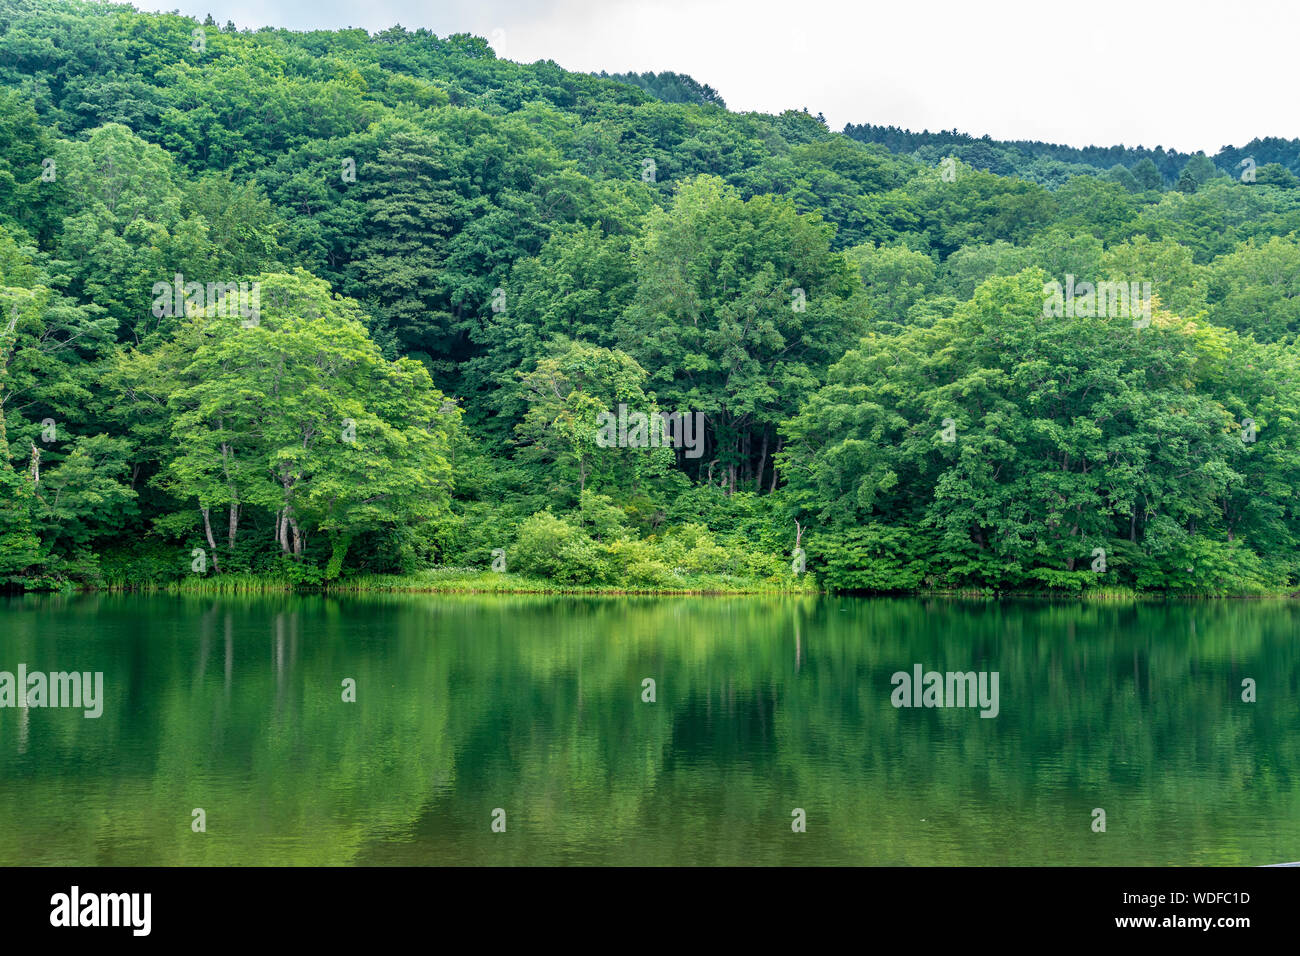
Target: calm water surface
[534, 705]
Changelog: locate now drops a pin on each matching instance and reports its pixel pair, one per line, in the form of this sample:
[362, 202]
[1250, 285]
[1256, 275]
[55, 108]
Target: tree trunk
[212, 542]
[233, 523]
[762, 463]
[779, 442]
[286, 481]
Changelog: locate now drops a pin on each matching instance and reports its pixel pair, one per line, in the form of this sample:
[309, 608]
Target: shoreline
[463, 581]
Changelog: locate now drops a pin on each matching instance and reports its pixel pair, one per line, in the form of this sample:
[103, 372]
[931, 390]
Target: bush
[301, 573]
[651, 574]
[550, 547]
[1199, 565]
[873, 557]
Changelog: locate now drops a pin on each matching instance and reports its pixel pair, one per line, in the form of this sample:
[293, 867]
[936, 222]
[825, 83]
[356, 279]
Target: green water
[534, 705]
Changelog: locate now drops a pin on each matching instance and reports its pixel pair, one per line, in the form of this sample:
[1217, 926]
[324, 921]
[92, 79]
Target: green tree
[300, 415]
[1147, 174]
[566, 393]
[1011, 446]
[740, 307]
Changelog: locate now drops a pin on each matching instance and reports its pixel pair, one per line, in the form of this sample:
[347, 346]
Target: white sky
[1181, 75]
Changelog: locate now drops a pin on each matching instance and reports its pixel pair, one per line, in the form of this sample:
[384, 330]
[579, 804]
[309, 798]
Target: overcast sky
[1181, 75]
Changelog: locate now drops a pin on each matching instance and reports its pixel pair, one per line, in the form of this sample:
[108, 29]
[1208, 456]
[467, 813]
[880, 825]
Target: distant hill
[1007, 157]
[670, 87]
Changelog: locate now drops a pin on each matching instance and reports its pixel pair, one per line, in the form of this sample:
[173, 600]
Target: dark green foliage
[671, 87]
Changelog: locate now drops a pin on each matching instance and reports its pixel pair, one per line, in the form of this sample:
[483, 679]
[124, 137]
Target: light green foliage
[565, 395]
[299, 415]
[1067, 435]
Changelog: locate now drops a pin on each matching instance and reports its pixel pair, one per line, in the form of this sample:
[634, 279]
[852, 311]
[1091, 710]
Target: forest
[340, 308]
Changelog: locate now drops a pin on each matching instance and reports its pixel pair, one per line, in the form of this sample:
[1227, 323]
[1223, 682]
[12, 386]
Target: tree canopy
[331, 302]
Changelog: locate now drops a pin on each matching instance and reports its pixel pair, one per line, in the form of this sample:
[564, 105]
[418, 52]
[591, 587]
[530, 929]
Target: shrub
[550, 547]
[873, 557]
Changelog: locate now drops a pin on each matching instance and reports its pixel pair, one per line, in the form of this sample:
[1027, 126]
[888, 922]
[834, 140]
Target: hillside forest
[320, 307]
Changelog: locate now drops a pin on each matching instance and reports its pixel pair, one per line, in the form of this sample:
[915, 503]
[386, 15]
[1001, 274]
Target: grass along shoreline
[450, 581]
[475, 581]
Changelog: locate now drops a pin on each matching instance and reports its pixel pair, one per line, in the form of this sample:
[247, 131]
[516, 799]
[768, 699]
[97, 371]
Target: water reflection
[534, 704]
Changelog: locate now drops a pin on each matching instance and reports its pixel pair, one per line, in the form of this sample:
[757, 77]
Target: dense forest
[1052, 164]
[325, 305]
[671, 87]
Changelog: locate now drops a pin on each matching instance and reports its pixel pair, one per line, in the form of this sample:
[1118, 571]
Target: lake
[466, 706]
